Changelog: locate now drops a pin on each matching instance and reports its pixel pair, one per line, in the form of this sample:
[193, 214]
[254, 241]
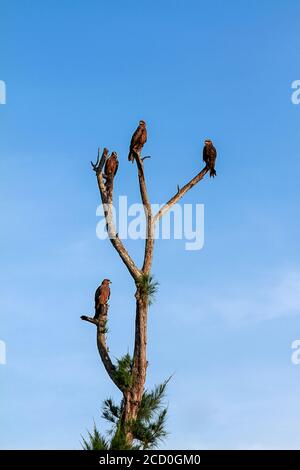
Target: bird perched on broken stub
[102, 295]
[110, 170]
[138, 140]
[111, 165]
[209, 157]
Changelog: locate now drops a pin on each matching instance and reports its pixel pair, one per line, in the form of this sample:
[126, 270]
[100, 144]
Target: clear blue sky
[81, 74]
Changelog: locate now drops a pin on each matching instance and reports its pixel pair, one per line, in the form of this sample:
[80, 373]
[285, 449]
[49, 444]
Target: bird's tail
[212, 173]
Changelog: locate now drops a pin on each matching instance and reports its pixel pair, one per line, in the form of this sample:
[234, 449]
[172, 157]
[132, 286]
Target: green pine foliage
[95, 441]
[123, 372]
[111, 412]
[149, 429]
[148, 287]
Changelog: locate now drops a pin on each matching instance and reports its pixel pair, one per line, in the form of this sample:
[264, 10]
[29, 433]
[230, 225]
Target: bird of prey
[111, 165]
[102, 295]
[209, 157]
[138, 140]
[110, 170]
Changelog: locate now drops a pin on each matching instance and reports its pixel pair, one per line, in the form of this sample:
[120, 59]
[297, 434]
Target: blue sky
[80, 75]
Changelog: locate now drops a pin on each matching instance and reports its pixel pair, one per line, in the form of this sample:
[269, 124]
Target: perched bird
[209, 157]
[111, 165]
[138, 140]
[102, 295]
[110, 170]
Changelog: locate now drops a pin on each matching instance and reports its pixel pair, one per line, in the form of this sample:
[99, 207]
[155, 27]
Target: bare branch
[89, 319]
[98, 166]
[103, 159]
[103, 349]
[107, 201]
[149, 243]
[180, 193]
[102, 346]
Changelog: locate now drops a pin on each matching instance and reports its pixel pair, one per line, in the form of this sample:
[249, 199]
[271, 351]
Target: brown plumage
[111, 165]
[102, 295]
[138, 140]
[110, 170]
[209, 157]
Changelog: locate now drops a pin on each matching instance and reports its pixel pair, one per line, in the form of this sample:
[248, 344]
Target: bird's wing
[116, 167]
[143, 138]
[98, 293]
[204, 155]
[214, 152]
[104, 294]
[136, 137]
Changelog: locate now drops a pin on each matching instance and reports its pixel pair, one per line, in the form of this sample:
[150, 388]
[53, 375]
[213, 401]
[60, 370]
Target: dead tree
[132, 395]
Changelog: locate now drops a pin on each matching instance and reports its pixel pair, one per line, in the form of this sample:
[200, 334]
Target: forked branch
[149, 243]
[107, 201]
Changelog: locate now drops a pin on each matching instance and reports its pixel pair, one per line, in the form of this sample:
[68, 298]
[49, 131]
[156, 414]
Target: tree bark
[149, 243]
[133, 397]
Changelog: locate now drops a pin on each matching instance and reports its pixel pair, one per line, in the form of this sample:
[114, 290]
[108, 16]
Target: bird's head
[114, 154]
[142, 123]
[106, 282]
[208, 142]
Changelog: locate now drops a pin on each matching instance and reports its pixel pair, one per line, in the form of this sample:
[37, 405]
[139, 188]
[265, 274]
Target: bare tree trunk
[133, 394]
[133, 397]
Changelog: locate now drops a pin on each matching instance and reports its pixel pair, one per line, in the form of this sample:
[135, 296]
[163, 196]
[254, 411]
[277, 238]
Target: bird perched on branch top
[138, 140]
[110, 170]
[111, 165]
[209, 157]
[102, 295]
